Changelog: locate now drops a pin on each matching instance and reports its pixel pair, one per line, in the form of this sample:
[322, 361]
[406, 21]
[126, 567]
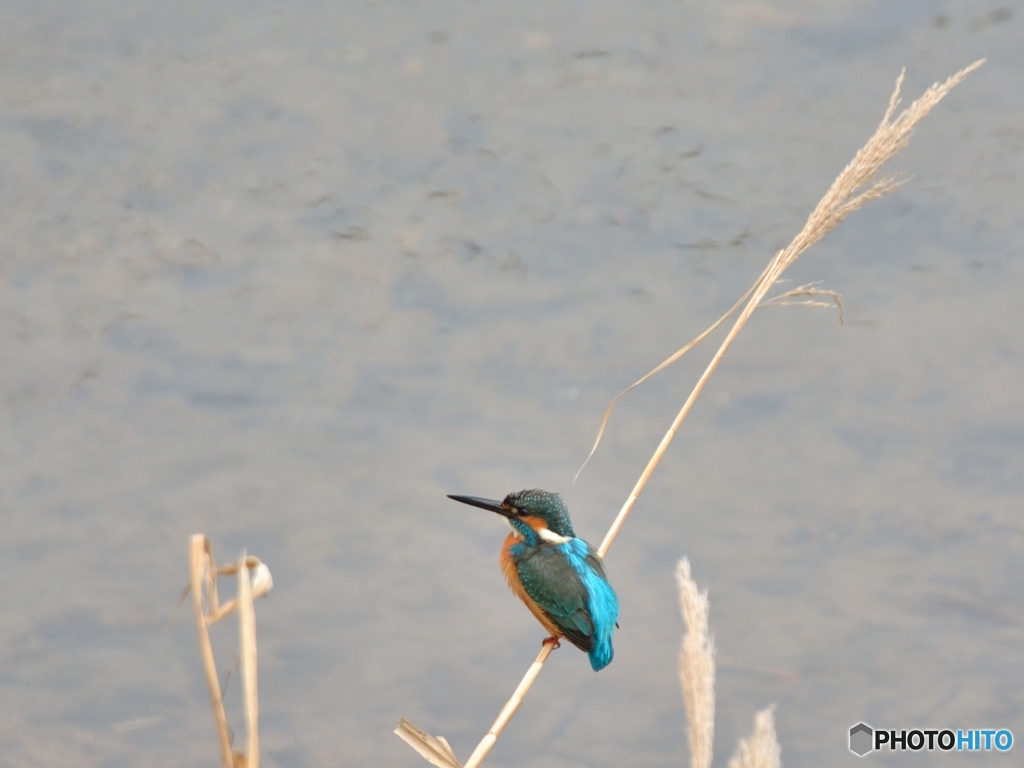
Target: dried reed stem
[697, 668]
[203, 569]
[510, 708]
[247, 641]
[204, 574]
[856, 185]
[761, 749]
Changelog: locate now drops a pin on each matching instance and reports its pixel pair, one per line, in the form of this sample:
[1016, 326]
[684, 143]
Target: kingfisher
[558, 576]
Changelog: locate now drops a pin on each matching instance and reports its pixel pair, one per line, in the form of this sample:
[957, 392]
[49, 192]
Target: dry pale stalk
[697, 668]
[857, 184]
[203, 582]
[510, 708]
[203, 569]
[761, 749]
[247, 641]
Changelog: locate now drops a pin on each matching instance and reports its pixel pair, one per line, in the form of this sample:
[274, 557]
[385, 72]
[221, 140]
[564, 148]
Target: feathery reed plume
[697, 668]
[697, 674]
[857, 184]
[204, 573]
[761, 749]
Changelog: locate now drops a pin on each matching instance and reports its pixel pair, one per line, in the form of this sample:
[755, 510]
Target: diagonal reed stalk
[204, 573]
[857, 184]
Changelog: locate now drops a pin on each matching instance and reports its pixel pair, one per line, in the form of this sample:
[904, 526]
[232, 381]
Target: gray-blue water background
[288, 273]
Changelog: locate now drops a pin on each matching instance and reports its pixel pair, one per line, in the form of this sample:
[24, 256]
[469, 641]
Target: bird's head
[540, 510]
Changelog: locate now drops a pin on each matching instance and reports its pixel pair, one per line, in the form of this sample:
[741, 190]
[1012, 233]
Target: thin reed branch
[697, 668]
[856, 184]
[811, 290]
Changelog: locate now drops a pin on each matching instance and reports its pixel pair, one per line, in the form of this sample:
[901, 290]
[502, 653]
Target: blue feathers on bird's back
[602, 604]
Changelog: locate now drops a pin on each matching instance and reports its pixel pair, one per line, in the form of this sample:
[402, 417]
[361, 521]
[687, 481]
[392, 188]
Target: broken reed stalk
[203, 583]
[856, 184]
[202, 566]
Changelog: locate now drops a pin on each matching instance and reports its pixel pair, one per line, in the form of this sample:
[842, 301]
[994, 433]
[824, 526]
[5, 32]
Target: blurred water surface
[287, 274]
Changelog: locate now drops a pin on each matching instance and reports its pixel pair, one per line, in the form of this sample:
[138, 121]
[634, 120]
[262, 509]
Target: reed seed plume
[697, 668]
[697, 674]
[856, 184]
[859, 182]
[761, 749]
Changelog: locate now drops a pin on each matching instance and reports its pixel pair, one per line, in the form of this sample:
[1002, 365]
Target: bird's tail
[602, 654]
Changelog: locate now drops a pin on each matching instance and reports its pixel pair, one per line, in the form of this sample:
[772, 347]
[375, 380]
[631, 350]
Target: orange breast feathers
[508, 567]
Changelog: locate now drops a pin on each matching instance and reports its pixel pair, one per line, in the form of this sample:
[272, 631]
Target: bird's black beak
[489, 504]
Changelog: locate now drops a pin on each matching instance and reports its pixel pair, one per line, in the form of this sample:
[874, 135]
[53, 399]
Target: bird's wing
[555, 586]
[594, 561]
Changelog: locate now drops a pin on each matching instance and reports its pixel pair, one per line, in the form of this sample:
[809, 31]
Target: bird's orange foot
[552, 641]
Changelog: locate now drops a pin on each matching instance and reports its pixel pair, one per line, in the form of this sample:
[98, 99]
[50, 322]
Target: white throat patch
[551, 537]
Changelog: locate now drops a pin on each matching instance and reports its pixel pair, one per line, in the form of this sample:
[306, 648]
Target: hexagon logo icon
[862, 737]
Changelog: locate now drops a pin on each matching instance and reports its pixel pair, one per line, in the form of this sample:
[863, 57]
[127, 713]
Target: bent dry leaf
[435, 751]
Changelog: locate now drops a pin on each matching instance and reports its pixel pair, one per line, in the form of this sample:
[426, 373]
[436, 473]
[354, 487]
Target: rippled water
[287, 274]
